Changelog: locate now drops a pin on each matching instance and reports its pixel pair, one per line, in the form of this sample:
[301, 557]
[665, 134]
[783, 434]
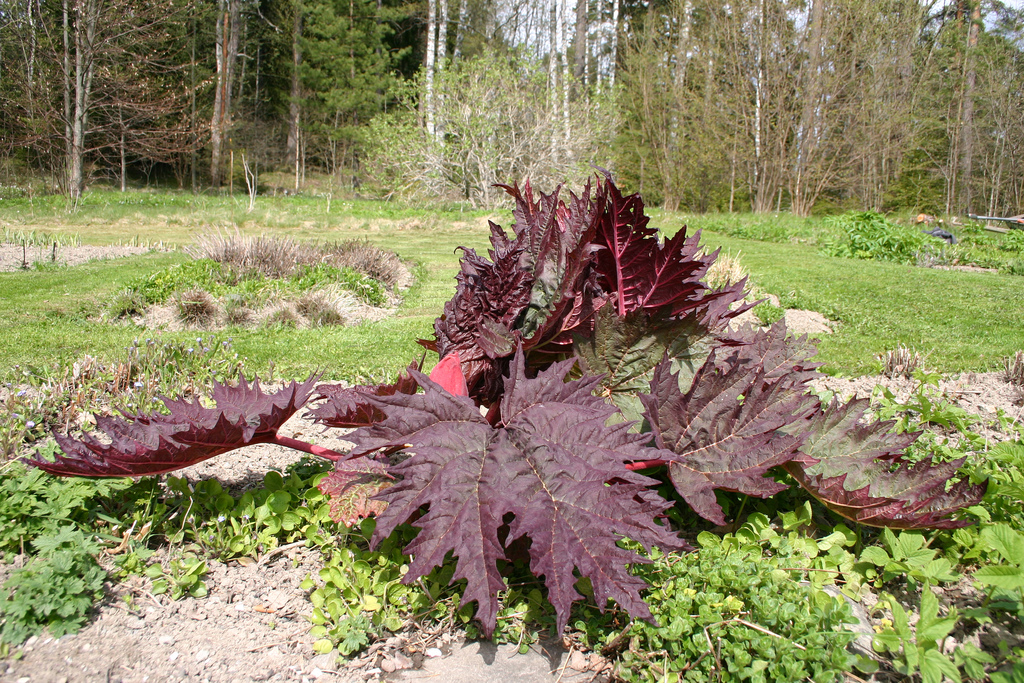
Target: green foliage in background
[870, 235]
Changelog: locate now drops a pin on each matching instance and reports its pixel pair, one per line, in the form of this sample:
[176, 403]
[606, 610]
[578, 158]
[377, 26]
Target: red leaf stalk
[312, 449]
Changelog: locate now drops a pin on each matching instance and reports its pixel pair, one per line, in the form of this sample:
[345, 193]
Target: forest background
[748, 105]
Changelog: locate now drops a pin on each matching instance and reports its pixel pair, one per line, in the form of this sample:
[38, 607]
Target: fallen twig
[277, 551]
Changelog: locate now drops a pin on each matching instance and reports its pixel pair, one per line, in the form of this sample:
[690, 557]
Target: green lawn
[963, 321]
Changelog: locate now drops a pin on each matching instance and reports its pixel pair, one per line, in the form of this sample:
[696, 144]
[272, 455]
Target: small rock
[388, 665]
[241, 607]
[30, 642]
[202, 656]
[370, 673]
[433, 652]
[173, 656]
[166, 640]
[24, 679]
[199, 615]
[402, 661]
[86, 647]
[135, 623]
[316, 672]
[597, 662]
[325, 661]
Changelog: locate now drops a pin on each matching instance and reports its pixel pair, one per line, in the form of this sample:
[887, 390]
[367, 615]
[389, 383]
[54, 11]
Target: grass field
[959, 320]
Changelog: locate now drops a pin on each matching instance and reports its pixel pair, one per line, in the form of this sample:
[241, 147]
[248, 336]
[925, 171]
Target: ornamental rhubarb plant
[578, 360]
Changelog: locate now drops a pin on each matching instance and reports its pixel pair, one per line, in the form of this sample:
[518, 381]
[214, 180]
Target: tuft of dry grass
[280, 257]
[196, 308]
[282, 316]
[1014, 369]
[726, 270]
[320, 309]
[900, 362]
[236, 312]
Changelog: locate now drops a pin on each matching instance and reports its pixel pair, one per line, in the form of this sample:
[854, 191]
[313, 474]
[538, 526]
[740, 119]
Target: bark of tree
[294, 103]
[428, 95]
[967, 121]
[228, 35]
[579, 70]
[86, 14]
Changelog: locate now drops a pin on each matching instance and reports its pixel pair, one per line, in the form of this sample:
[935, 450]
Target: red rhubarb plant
[577, 360]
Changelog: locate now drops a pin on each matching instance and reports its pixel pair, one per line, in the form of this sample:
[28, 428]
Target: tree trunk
[292, 144]
[460, 28]
[967, 122]
[86, 18]
[428, 95]
[614, 59]
[808, 131]
[227, 50]
[580, 49]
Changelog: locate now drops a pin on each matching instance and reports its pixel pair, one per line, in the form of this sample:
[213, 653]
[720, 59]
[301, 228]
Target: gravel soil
[11, 255]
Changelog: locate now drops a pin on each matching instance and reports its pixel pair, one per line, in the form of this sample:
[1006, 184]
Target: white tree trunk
[428, 95]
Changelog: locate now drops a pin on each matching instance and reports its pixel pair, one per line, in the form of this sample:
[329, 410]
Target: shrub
[870, 235]
[282, 316]
[768, 313]
[127, 302]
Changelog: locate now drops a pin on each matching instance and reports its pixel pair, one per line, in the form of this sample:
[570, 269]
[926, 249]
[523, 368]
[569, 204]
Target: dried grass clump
[196, 308]
[1015, 369]
[900, 362]
[382, 265]
[726, 270]
[273, 257]
[237, 313]
[320, 309]
[281, 257]
[282, 316]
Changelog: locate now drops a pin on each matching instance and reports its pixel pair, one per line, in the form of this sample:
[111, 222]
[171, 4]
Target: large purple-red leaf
[534, 292]
[552, 463]
[190, 433]
[345, 407]
[726, 431]
[351, 488]
[857, 470]
[640, 271]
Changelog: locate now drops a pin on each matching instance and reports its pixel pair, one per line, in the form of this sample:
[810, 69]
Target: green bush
[870, 235]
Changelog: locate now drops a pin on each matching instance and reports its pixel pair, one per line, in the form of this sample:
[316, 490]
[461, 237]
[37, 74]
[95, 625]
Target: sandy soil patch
[11, 255]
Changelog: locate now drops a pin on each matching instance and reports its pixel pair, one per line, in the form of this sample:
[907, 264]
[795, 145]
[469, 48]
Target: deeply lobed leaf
[727, 430]
[856, 469]
[190, 433]
[552, 464]
[347, 407]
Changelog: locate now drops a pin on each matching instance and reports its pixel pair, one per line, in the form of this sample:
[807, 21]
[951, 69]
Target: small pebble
[135, 623]
[166, 640]
[174, 655]
[433, 652]
[202, 655]
[316, 673]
